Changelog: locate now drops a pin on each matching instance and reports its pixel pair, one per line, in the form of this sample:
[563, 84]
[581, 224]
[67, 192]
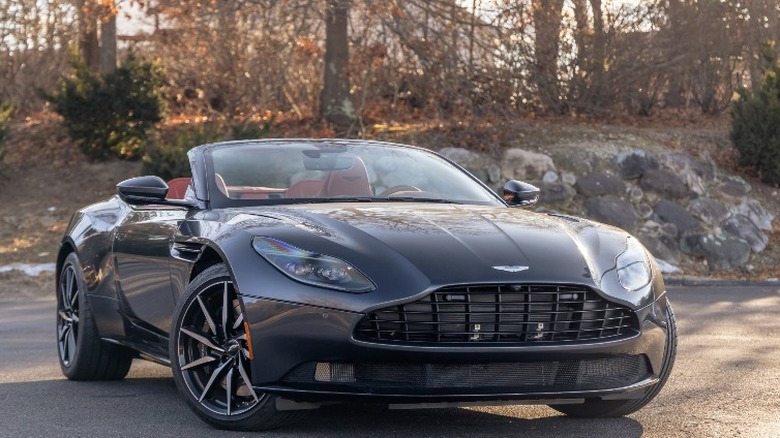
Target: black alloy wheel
[210, 357]
[83, 355]
[67, 314]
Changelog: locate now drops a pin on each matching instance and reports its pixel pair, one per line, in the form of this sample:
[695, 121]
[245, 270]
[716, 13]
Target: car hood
[444, 244]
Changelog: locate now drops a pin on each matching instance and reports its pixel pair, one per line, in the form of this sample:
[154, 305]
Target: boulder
[757, 214]
[670, 212]
[636, 194]
[525, 165]
[600, 184]
[708, 210]
[569, 178]
[691, 171]
[474, 162]
[550, 177]
[644, 210]
[634, 164]
[665, 183]
[682, 163]
[611, 210]
[734, 187]
[553, 193]
[721, 252]
[662, 247]
[742, 227]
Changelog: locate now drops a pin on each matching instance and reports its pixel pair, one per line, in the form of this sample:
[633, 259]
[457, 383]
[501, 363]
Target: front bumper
[309, 353]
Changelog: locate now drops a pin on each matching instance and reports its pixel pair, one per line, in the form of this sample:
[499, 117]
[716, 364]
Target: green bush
[168, 158]
[5, 127]
[110, 115]
[755, 123]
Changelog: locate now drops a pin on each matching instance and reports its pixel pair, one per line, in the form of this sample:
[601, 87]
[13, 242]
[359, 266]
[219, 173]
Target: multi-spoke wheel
[210, 357]
[83, 356]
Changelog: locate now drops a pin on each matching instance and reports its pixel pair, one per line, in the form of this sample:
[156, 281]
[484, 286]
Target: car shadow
[152, 406]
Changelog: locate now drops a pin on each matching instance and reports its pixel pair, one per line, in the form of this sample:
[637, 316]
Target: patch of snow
[666, 267]
[33, 270]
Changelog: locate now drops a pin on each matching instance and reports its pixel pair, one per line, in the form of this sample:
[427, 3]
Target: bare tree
[335, 101]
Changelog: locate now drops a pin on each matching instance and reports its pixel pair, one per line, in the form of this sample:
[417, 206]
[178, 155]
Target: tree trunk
[88, 38]
[674, 96]
[108, 45]
[335, 101]
[547, 24]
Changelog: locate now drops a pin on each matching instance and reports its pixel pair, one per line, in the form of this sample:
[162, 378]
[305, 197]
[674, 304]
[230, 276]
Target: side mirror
[518, 193]
[143, 190]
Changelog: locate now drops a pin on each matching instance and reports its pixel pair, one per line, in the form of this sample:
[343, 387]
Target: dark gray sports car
[290, 273]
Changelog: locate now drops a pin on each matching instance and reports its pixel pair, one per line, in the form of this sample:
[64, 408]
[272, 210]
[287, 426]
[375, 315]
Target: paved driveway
[726, 384]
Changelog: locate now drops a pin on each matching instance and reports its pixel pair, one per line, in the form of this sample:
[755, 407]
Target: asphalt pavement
[726, 383]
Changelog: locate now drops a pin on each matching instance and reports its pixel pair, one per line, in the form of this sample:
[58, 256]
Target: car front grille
[513, 313]
[494, 377]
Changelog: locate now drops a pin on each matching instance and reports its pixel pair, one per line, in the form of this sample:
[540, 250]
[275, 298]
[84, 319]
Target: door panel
[142, 257]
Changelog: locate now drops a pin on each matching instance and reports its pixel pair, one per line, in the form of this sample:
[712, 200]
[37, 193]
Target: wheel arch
[66, 247]
[208, 258]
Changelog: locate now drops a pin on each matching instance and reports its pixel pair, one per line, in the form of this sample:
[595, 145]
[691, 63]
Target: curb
[699, 281]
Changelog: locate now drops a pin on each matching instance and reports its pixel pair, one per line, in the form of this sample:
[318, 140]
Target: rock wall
[681, 207]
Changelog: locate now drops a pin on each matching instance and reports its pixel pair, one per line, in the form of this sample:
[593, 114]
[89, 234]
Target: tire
[596, 408]
[210, 357]
[82, 355]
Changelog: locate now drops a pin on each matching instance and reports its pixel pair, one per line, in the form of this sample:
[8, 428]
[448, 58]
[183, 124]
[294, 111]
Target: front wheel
[596, 408]
[210, 357]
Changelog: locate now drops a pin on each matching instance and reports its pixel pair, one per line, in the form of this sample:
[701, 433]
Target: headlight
[310, 267]
[633, 268]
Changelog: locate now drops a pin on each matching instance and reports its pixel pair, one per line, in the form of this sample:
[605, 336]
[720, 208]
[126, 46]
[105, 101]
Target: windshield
[299, 171]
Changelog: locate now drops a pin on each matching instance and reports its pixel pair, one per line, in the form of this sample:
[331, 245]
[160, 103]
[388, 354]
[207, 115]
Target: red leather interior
[349, 182]
[177, 187]
[306, 188]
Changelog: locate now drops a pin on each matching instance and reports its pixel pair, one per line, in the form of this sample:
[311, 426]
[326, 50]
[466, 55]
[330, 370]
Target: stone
[682, 162]
[494, 173]
[474, 162]
[742, 227]
[525, 165]
[670, 230]
[611, 210]
[568, 178]
[636, 194]
[552, 193]
[665, 183]
[550, 177]
[721, 252]
[460, 155]
[708, 210]
[734, 187]
[691, 171]
[672, 213]
[662, 247]
[757, 214]
[600, 184]
[644, 210]
[634, 164]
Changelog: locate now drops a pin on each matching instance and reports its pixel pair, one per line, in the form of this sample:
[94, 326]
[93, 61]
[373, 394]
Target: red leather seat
[177, 187]
[306, 188]
[348, 182]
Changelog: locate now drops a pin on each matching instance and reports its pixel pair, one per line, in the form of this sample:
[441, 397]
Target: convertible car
[287, 274]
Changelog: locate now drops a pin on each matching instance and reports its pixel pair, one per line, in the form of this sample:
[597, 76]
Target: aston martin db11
[285, 274]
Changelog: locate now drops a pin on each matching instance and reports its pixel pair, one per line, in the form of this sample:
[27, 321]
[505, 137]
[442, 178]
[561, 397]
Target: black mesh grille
[499, 377]
[517, 314]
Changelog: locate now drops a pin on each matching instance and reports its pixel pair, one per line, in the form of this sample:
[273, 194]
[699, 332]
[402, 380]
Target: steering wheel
[399, 188]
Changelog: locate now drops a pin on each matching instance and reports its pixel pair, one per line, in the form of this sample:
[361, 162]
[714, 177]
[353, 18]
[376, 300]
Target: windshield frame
[217, 199]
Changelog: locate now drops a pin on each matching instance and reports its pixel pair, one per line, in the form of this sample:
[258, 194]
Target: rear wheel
[596, 408]
[210, 357]
[83, 356]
